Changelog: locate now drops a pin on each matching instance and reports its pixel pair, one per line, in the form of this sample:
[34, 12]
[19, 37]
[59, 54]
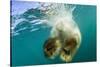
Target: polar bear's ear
[52, 48]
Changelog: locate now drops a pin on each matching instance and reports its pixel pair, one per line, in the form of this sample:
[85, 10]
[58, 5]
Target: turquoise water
[27, 48]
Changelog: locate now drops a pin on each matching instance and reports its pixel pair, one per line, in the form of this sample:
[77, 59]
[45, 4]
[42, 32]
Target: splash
[48, 14]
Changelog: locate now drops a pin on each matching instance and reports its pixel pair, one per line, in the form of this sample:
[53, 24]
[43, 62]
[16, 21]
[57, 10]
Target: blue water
[27, 48]
[86, 19]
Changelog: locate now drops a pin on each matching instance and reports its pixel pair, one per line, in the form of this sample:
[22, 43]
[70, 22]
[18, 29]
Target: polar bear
[64, 40]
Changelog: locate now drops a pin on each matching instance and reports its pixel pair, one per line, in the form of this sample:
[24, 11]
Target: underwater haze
[29, 32]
